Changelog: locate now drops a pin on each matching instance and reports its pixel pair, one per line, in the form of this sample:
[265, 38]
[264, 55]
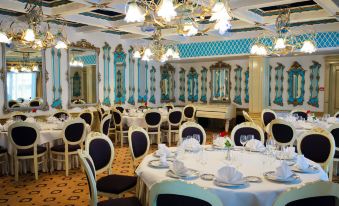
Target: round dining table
[248, 163]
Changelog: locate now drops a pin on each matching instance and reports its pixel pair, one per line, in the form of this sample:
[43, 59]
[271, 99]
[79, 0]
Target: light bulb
[29, 35]
[190, 30]
[4, 38]
[222, 17]
[167, 10]
[169, 53]
[136, 55]
[280, 44]
[134, 13]
[308, 47]
[61, 45]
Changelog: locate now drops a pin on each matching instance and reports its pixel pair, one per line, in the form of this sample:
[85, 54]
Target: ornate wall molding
[279, 84]
[203, 97]
[131, 87]
[152, 85]
[314, 84]
[107, 62]
[182, 85]
[237, 87]
[296, 84]
[120, 75]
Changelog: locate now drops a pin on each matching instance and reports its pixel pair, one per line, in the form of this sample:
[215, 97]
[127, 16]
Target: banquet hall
[169, 102]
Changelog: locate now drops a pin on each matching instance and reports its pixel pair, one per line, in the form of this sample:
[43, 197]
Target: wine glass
[197, 137]
[270, 144]
[243, 140]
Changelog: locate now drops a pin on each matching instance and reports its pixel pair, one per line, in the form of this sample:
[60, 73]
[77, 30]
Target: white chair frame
[336, 114]
[108, 117]
[192, 124]
[178, 187]
[335, 160]
[192, 119]
[92, 116]
[170, 131]
[35, 155]
[247, 116]
[62, 111]
[280, 121]
[262, 116]
[18, 113]
[169, 104]
[327, 165]
[309, 190]
[297, 110]
[158, 133]
[66, 154]
[130, 131]
[120, 132]
[251, 125]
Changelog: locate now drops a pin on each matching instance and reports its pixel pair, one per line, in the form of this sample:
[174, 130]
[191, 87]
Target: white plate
[224, 184]
[271, 176]
[191, 174]
[281, 157]
[157, 164]
[311, 169]
[173, 154]
[248, 149]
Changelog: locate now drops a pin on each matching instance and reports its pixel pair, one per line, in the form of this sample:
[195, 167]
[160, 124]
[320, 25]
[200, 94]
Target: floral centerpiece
[146, 105]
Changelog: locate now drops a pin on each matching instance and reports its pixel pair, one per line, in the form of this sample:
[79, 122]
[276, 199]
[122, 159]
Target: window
[21, 85]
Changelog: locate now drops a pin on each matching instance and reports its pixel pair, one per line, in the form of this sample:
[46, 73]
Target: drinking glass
[250, 137]
[270, 144]
[243, 140]
[197, 137]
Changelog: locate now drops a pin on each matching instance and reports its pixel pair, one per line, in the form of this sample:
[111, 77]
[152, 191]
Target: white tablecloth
[250, 164]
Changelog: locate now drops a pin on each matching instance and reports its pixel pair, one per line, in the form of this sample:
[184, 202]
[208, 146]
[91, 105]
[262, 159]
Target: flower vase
[228, 153]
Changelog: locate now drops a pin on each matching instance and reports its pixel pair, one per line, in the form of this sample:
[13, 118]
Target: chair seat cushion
[30, 152]
[166, 127]
[2, 150]
[61, 148]
[152, 129]
[116, 184]
[129, 201]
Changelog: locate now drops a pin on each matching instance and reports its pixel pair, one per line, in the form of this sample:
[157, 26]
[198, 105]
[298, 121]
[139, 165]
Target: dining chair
[24, 137]
[267, 115]
[282, 132]
[120, 109]
[104, 125]
[247, 117]
[153, 120]
[176, 192]
[88, 117]
[174, 122]
[11, 103]
[301, 113]
[315, 193]
[336, 115]
[20, 100]
[105, 114]
[334, 130]
[59, 113]
[169, 106]
[189, 113]
[318, 145]
[34, 103]
[73, 136]
[247, 128]
[190, 129]
[99, 114]
[121, 129]
[4, 160]
[102, 110]
[19, 115]
[111, 130]
[139, 143]
[88, 166]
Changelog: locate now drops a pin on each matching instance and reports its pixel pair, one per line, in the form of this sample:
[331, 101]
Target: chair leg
[121, 138]
[169, 138]
[158, 137]
[66, 164]
[35, 160]
[16, 168]
[51, 162]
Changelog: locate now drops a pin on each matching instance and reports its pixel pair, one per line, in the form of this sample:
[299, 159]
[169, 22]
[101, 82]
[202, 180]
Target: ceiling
[249, 15]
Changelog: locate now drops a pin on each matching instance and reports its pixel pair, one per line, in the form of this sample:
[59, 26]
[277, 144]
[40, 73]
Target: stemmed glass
[243, 141]
[197, 137]
[249, 138]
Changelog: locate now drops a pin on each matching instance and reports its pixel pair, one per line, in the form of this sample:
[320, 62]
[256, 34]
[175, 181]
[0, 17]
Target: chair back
[317, 193]
[87, 163]
[175, 117]
[34, 103]
[23, 135]
[62, 112]
[99, 114]
[317, 145]
[101, 150]
[189, 112]
[247, 128]
[267, 115]
[300, 113]
[105, 124]
[175, 192]
[169, 106]
[20, 100]
[247, 116]
[87, 116]
[11, 103]
[191, 128]
[117, 117]
[336, 115]
[139, 142]
[102, 110]
[20, 116]
[282, 132]
[153, 118]
[120, 109]
[74, 131]
[334, 130]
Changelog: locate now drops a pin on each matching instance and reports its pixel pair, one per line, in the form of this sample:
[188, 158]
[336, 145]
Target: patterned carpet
[57, 189]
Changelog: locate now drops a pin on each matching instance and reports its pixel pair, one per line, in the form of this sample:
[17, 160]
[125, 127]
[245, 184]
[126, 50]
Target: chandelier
[186, 16]
[25, 66]
[157, 50]
[37, 32]
[283, 41]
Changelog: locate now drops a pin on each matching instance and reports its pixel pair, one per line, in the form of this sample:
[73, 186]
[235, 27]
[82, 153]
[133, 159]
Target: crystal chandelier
[184, 15]
[157, 50]
[284, 41]
[37, 33]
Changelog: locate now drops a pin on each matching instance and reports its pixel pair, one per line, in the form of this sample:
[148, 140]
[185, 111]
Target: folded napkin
[332, 120]
[163, 160]
[179, 168]
[230, 175]
[283, 171]
[52, 119]
[163, 150]
[219, 141]
[289, 152]
[255, 145]
[30, 120]
[191, 144]
[302, 162]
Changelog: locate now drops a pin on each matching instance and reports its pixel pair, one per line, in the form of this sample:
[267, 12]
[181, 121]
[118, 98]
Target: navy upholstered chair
[11, 103]
[20, 116]
[318, 145]
[73, 135]
[24, 138]
[88, 117]
[105, 124]
[190, 129]
[121, 129]
[175, 192]
[4, 159]
[336, 115]
[282, 132]
[153, 121]
[34, 103]
[246, 128]
[267, 116]
[87, 164]
[174, 121]
[60, 113]
[139, 143]
[189, 113]
[300, 113]
[334, 129]
[169, 106]
[120, 109]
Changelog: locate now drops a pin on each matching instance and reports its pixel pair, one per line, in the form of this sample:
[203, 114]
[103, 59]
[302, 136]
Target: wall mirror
[167, 83]
[296, 83]
[220, 82]
[192, 85]
[24, 76]
[83, 64]
[119, 77]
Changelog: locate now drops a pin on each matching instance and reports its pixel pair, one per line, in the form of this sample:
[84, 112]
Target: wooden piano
[217, 111]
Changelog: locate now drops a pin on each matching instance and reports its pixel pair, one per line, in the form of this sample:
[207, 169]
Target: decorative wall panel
[107, 63]
[142, 80]
[56, 56]
[182, 85]
[152, 85]
[203, 97]
[314, 84]
[119, 77]
[296, 84]
[237, 88]
[279, 84]
[131, 87]
[192, 85]
[269, 84]
[247, 75]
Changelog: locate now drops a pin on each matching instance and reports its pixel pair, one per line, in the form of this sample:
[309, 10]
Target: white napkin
[289, 152]
[230, 175]
[332, 120]
[302, 162]
[30, 120]
[163, 150]
[283, 171]
[191, 144]
[219, 141]
[255, 145]
[179, 168]
[163, 160]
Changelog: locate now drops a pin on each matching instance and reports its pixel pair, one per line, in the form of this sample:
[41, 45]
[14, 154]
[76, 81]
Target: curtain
[21, 85]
